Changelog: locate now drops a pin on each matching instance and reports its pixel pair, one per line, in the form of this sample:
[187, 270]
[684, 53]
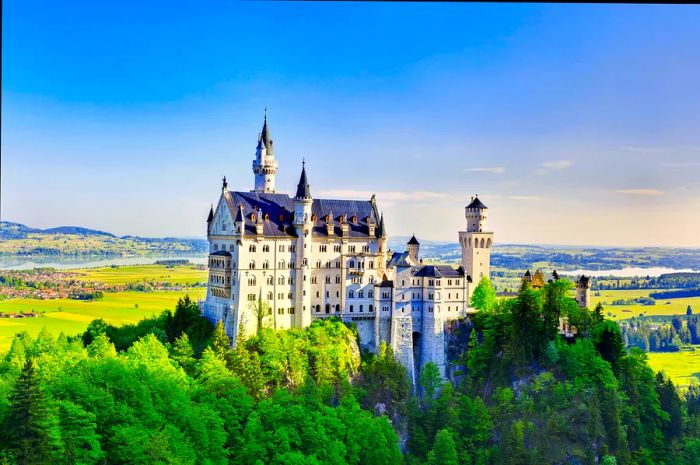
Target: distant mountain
[76, 230]
[20, 240]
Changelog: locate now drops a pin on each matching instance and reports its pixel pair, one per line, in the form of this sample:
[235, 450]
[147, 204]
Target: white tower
[265, 165]
[303, 225]
[476, 243]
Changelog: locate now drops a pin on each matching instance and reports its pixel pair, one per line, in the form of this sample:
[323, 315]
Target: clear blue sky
[576, 124]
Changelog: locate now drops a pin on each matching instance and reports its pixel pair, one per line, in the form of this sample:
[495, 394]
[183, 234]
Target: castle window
[351, 294]
[385, 308]
[280, 219]
[251, 265]
[371, 280]
[293, 248]
[313, 280]
[457, 282]
[385, 295]
[216, 247]
[280, 280]
[323, 248]
[266, 265]
[290, 280]
[267, 216]
[280, 248]
[251, 248]
[230, 248]
[351, 248]
[337, 279]
[430, 296]
[361, 308]
[328, 264]
[365, 248]
[304, 262]
[328, 308]
[350, 308]
[371, 264]
[371, 308]
[352, 264]
[430, 282]
[280, 311]
[280, 295]
[251, 297]
[281, 264]
[361, 294]
[328, 279]
[252, 281]
[270, 281]
[337, 264]
[337, 308]
[269, 296]
[289, 295]
[336, 248]
[430, 309]
[318, 263]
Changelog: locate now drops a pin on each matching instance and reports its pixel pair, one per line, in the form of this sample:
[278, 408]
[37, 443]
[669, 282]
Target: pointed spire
[210, 218]
[413, 240]
[303, 188]
[381, 232]
[239, 215]
[264, 138]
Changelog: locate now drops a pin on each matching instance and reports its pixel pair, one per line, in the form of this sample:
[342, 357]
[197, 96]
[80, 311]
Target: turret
[264, 164]
[583, 291]
[303, 224]
[476, 213]
[413, 247]
[210, 218]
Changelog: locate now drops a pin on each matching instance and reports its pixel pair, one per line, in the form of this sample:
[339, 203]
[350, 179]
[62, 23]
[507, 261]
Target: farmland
[663, 307]
[682, 367]
[72, 316]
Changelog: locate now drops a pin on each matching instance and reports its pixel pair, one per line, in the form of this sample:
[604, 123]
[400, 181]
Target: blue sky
[576, 124]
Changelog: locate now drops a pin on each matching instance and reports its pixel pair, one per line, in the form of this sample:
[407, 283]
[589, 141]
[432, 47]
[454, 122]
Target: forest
[171, 390]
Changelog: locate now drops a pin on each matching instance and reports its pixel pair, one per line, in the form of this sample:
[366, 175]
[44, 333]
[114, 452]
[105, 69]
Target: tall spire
[210, 218]
[264, 164]
[303, 188]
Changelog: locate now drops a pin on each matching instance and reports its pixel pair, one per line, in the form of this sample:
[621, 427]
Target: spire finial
[303, 162]
[224, 184]
[265, 113]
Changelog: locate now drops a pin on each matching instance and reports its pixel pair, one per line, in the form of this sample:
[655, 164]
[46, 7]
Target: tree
[220, 342]
[429, 380]
[527, 329]
[556, 302]
[598, 313]
[30, 428]
[183, 354]
[484, 296]
[607, 339]
[444, 451]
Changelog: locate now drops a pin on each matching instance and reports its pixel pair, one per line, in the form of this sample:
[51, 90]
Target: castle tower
[265, 165]
[413, 248]
[583, 291]
[476, 243]
[303, 224]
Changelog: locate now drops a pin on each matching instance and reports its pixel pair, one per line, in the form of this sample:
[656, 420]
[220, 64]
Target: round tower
[476, 243]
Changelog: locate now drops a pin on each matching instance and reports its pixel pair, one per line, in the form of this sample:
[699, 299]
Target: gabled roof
[476, 203]
[401, 259]
[413, 241]
[438, 271]
[279, 211]
[210, 218]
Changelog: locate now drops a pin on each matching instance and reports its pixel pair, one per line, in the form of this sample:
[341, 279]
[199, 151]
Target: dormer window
[252, 217]
[267, 216]
[354, 219]
[314, 218]
[280, 218]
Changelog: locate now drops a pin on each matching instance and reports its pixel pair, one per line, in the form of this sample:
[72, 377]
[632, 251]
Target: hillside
[20, 240]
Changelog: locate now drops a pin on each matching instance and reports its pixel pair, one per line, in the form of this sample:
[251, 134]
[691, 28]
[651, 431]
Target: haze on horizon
[575, 124]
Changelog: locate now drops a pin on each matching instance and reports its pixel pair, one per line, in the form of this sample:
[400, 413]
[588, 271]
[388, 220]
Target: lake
[628, 272]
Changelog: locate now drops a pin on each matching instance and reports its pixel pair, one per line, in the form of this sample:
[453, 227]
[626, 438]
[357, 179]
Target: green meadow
[682, 367]
[664, 307]
[72, 316]
[185, 275]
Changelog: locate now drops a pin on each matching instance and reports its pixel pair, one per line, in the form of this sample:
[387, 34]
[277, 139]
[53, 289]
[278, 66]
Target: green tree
[444, 450]
[30, 427]
[220, 342]
[484, 295]
[183, 354]
[430, 380]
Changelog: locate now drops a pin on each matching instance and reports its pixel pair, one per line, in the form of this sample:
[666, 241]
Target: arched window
[266, 265]
[290, 280]
[352, 263]
[488, 243]
[270, 281]
[337, 308]
[318, 263]
[266, 248]
[328, 279]
[371, 308]
[371, 264]
[280, 280]
[280, 265]
[328, 308]
[251, 248]
[251, 265]
[350, 308]
[361, 308]
[269, 295]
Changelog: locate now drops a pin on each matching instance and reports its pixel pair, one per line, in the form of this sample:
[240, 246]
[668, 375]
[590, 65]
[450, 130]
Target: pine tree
[220, 342]
[183, 354]
[29, 427]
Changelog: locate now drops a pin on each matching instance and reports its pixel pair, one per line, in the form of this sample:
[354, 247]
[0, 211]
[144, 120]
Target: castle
[308, 258]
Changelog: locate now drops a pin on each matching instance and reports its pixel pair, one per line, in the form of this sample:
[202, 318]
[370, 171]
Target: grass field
[664, 307]
[73, 316]
[183, 275]
[682, 367]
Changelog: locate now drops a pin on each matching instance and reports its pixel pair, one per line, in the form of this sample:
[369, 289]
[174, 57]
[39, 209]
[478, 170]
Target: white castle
[313, 258]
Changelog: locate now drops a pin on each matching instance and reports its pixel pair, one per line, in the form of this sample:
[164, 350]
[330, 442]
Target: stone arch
[483, 243]
[469, 242]
[488, 243]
